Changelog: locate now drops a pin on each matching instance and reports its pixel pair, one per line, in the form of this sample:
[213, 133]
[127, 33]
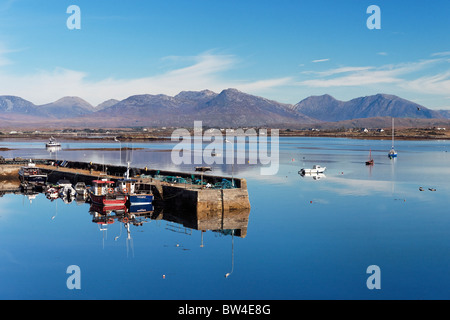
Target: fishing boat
[102, 193]
[392, 153]
[32, 174]
[315, 169]
[370, 161]
[52, 143]
[129, 187]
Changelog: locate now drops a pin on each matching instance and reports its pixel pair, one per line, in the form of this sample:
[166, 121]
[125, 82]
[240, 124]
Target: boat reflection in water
[227, 223]
[313, 175]
[230, 224]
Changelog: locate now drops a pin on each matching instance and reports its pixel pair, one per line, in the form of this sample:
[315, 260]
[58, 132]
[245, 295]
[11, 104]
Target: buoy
[310, 201]
[164, 276]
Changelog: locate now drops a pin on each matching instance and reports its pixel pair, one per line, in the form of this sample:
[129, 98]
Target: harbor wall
[178, 196]
[9, 172]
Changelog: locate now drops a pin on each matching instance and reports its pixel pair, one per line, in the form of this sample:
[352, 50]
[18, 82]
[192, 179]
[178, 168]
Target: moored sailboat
[370, 161]
[392, 153]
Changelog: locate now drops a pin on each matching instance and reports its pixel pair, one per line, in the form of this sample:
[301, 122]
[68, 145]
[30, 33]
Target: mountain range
[229, 108]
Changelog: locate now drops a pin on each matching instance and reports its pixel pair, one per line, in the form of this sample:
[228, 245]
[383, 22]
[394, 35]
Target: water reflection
[228, 223]
[313, 175]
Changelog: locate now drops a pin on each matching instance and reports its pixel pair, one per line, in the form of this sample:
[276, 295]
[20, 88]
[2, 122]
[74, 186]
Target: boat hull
[312, 171]
[34, 179]
[106, 200]
[139, 209]
[140, 199]
[392, 155]
[32, 176]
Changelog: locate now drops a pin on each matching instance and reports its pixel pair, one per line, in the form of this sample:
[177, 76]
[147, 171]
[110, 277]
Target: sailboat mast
[392, 132]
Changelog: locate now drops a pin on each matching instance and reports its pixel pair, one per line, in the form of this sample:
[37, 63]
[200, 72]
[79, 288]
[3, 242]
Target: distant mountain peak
[72, 100]
[67, 107]
[326, 108]
[106, 104]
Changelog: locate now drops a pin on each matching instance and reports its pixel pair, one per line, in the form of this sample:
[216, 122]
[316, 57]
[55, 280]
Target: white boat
[81, 189]
[392, 153]
[66, 189]
[314, 176]
[52, 143]
[315, 170]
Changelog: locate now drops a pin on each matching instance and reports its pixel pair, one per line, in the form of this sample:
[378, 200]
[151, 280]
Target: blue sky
[284, 50]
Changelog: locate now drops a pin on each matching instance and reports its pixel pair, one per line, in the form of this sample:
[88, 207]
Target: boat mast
[127, 173]
[392, 132]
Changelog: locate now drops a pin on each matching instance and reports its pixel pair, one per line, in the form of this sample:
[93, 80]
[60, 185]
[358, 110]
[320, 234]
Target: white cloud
[337, 71]
[434, 84]
[441, 54]
[370, 75]
[320, 60]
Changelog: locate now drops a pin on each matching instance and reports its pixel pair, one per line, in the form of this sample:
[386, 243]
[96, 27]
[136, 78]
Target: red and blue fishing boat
[103, 193]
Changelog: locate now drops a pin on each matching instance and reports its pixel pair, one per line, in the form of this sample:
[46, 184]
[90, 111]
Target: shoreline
[164, 135]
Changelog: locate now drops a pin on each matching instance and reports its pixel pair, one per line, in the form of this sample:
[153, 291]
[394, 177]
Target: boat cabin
[33, 174]
[127, 186]
[102, 187]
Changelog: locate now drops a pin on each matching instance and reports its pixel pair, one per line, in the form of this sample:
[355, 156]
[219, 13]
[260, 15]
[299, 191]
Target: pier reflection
[228, 223]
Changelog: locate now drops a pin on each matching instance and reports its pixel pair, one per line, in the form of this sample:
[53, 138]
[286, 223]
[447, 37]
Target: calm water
[306, 238]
